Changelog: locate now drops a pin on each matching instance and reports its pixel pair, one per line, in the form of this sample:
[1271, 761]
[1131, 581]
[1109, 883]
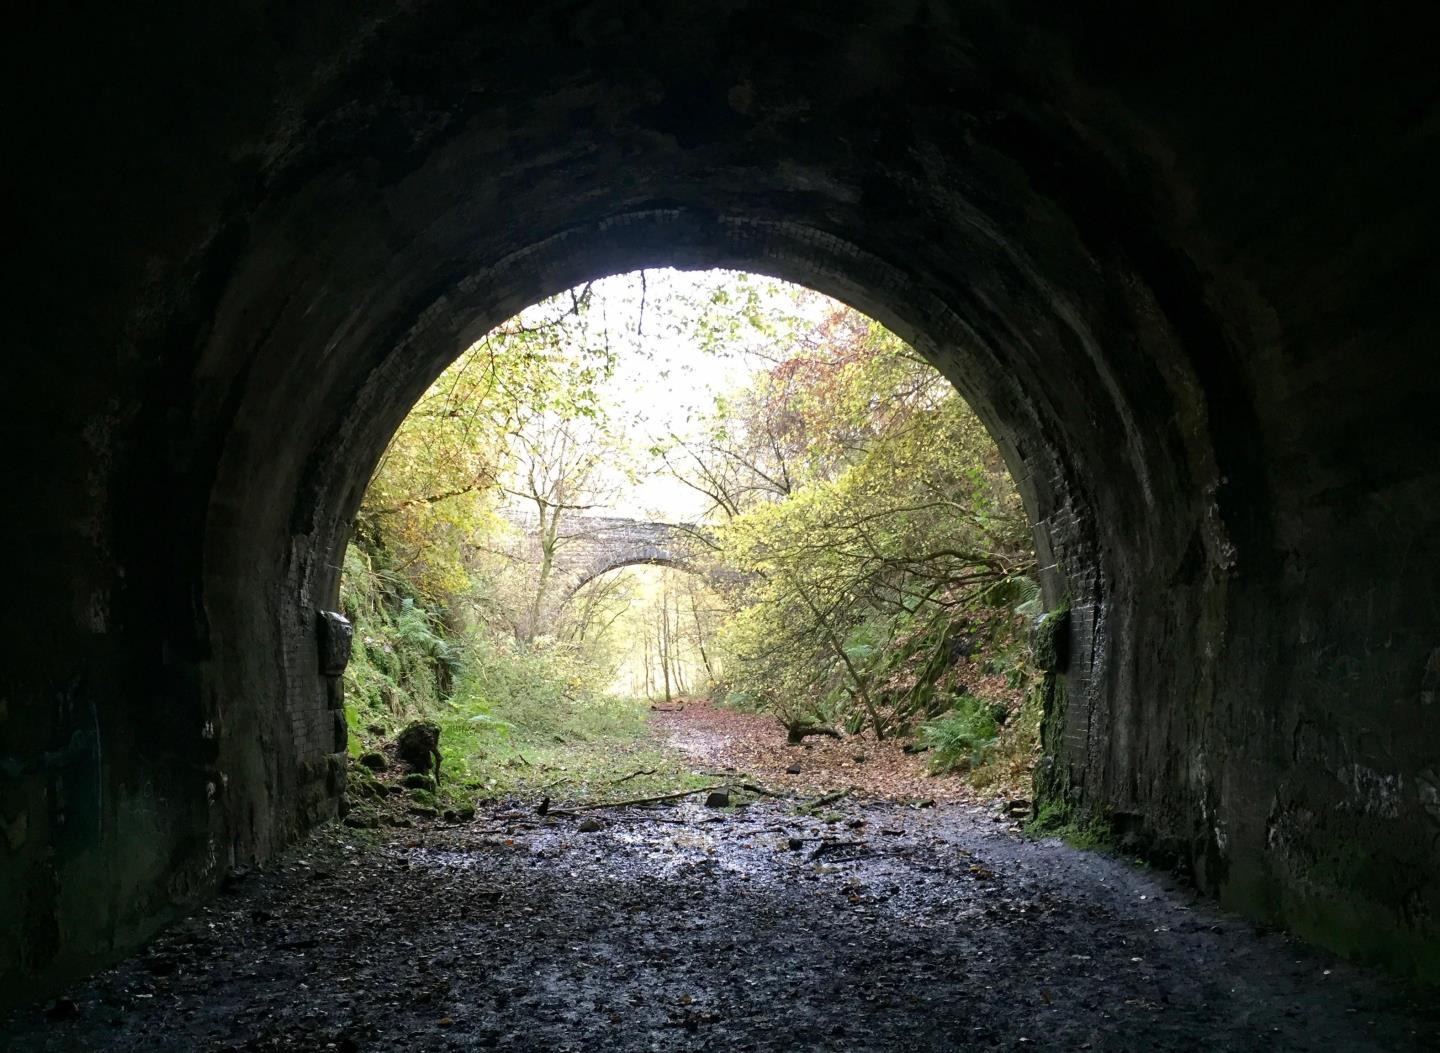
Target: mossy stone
[374, 760]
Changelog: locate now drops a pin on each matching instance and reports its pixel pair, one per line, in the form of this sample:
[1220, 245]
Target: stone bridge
[591, 546]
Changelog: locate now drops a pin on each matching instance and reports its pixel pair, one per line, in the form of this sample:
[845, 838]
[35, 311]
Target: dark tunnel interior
[1179, 258]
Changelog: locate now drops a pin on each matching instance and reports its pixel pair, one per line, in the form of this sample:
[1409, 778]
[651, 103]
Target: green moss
[374, 760]
[1084, 830]
[1046, 644]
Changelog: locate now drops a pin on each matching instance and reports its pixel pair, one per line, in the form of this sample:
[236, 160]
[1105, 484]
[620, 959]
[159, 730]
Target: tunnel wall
[1183, 273]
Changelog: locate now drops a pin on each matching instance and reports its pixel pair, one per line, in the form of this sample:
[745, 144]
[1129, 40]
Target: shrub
[959, 737]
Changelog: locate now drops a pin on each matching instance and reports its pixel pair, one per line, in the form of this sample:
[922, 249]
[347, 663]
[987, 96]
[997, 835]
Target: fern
[959, 737]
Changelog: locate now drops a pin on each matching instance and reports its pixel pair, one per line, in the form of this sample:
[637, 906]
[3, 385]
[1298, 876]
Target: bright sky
[665, 380]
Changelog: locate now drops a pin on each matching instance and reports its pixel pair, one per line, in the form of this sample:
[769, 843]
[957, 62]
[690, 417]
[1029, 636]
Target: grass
[516, 720]
[571, 747]
[602, 769]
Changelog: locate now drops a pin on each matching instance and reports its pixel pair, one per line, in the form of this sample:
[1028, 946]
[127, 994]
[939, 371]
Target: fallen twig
[634, 801]
[755, 788]
[830, 798]
[635, 775]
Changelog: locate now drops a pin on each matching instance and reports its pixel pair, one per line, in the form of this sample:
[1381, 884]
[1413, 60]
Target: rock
[794, 844]
[1019, 808]
[417, 781]
[718, 799]
[1050, 639]
[794, 769]
[859, 758]
[419, 746]
[374, 760]
[424, 810]
[357, 821]
[335, 638]
[590, 825]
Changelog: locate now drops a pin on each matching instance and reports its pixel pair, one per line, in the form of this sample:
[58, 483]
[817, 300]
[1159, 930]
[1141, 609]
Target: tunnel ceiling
[1180, 262]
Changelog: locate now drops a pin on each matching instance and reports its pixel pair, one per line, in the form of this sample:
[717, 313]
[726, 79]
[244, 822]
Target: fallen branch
[755, 788]
[829, 798]
[797, 733]
[635, 775]
[634, 801]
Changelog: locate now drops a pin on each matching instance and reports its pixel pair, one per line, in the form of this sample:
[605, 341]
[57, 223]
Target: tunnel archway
[1169, 364]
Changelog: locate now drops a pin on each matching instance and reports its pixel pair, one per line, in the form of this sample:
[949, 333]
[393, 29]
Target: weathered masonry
[1180, 257]
[590, 547]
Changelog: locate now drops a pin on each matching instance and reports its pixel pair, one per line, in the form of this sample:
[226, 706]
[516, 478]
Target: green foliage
[437, 485]
[512, 701]
[959, 738]
[1007, 764]
[401, 662]
[896, 533]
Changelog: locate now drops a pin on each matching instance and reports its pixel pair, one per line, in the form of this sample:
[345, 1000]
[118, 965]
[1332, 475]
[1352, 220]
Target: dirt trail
[718, 738]
[680, 928]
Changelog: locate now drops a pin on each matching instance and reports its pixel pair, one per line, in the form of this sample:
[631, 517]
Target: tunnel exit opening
[857, 563]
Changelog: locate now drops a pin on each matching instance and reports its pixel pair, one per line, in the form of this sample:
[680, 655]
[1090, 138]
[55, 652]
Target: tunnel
[1179, 259]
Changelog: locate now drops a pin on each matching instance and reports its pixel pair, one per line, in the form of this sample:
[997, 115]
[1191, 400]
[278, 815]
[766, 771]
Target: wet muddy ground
[680, 928]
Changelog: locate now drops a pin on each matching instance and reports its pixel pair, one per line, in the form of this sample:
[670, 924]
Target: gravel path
[869, 925]
[886, 928]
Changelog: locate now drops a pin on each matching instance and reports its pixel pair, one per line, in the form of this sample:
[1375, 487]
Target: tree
[437, 484]
[868, 508]
[564, 465]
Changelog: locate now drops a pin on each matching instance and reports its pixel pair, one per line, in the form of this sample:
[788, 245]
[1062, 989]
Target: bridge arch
[689, 566]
